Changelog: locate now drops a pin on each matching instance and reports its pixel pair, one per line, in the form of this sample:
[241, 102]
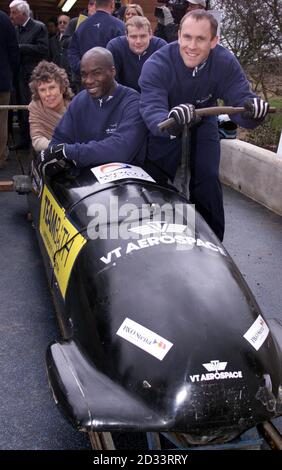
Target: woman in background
[133, 9]
[51, 95]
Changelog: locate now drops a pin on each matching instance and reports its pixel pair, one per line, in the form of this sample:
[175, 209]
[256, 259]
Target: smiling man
[130, 52]
[102, 123]
[194, 73]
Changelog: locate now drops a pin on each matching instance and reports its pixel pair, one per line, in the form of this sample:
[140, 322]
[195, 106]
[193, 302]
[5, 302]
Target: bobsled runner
[160, 333]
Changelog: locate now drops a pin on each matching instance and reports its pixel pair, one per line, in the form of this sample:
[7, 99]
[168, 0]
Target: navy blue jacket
[106, 130]
[9, 52]
[97, 30]
[165, 82]
[128, 64]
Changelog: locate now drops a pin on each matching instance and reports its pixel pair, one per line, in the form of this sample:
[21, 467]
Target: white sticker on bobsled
[216, 372]
[257, 333]
[144, 338]
[119, 171]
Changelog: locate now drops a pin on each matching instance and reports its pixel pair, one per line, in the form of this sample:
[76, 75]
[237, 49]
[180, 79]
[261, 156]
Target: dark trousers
[164, 156]
[23, 97]
[205, 187]
[4, 100]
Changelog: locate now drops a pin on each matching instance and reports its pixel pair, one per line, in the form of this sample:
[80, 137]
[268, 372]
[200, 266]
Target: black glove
[55, 152]
[256, 108]
[182, 114]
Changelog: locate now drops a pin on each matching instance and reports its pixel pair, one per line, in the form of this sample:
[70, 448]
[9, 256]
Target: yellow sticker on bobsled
[62, 240]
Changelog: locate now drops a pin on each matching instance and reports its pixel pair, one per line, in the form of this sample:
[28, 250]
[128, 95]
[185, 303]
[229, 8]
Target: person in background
[97, 30]
[55, 44]
[119, 12]
[74, 78]
[63, 21]
[133, 9]
[166, 28]
[102, 123]
[194, 73]
[34, 46]
[168, 21]
[73, 24]
[131, 51]
[52, 27]
[196, 5]
[9, 61]
[51, 95]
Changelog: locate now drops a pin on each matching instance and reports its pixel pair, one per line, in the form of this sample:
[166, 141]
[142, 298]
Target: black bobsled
[160, 331]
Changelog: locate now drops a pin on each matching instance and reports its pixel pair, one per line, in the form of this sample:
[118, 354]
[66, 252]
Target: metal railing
[13, 107]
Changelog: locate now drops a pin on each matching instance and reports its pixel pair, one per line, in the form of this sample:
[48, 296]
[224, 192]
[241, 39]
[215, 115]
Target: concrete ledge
[253, 171]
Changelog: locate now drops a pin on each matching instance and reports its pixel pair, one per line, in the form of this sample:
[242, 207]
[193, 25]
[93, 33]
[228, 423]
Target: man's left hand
[256, 108]
[55, 152]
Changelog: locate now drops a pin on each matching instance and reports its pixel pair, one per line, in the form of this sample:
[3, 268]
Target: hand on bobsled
[256, 108]
[52, 160]
[53, 153]
[182, 114]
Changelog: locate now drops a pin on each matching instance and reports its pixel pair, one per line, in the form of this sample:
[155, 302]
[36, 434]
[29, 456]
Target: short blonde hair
[138, 22]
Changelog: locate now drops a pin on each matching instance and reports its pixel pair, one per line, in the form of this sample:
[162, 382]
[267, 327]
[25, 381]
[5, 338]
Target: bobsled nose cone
[91, 399]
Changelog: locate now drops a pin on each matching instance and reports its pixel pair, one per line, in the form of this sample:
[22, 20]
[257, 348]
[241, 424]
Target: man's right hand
[55, 152]
[182, 114]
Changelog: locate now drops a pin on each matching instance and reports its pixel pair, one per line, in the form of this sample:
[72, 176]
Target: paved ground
[253, 237]
[28, 416]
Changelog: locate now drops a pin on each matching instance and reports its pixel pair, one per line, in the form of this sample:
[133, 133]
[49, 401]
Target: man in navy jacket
[102, 124]
[131, 51]
[9, 61]
[97, 30]
[193, 73]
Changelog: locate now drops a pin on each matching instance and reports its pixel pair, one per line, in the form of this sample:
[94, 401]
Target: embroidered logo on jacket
[111, 129]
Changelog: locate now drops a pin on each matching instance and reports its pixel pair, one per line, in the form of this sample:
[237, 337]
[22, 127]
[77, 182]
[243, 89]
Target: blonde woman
[133, 9]
[51, 95]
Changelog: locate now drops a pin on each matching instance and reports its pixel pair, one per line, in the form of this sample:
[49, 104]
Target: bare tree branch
[252, 31]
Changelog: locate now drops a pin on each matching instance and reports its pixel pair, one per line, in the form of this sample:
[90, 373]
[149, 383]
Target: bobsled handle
[209, 112]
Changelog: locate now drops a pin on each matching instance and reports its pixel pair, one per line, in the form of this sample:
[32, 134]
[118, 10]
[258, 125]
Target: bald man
[102, 123]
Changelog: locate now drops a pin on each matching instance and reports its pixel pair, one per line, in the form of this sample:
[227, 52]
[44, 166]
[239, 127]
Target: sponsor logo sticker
[144, 338]
[216, 371]
[119, 171]
[158, 227]
[163, 234]
[257, 333]
[215, 366]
